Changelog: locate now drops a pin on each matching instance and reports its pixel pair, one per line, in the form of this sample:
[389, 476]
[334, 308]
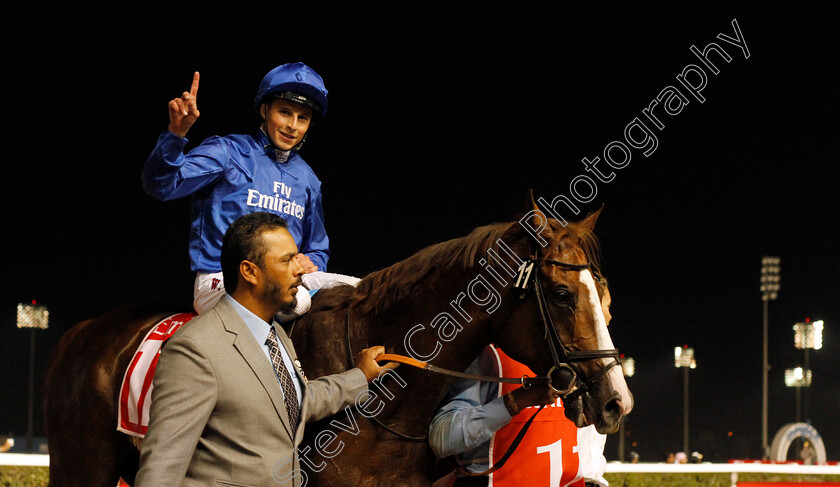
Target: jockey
[230, 176]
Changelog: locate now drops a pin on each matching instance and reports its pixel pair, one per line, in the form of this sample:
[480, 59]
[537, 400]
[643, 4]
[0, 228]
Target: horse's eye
[561, 296]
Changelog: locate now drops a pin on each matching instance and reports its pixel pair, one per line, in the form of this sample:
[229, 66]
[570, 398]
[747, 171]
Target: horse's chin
[604, 429]
[575, 412]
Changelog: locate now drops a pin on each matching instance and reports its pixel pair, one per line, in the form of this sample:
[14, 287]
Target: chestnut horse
[528, 286]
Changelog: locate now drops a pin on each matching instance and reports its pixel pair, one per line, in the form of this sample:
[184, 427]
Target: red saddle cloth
[136, 388]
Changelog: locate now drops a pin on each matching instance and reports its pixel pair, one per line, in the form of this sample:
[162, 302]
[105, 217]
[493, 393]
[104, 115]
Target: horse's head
[566, 321]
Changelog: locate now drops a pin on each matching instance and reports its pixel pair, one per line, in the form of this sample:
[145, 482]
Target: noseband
[528, 278]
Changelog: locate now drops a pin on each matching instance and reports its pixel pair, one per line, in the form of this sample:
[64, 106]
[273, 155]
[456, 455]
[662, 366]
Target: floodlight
[808, 335]
[798, 377]
[32, 316]
[684, 357]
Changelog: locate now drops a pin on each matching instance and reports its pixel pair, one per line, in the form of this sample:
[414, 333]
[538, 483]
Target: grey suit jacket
[217, 416]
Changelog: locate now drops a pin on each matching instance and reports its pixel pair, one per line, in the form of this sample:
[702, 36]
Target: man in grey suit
[229, 404]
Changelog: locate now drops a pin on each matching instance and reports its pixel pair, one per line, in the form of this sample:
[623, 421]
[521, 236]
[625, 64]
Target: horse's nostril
[613, 408]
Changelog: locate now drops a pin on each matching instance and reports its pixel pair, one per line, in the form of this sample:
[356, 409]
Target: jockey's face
[285, 122]
[280, 271]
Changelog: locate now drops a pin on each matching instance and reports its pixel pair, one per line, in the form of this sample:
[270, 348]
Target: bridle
[528, 278]
[562, 356]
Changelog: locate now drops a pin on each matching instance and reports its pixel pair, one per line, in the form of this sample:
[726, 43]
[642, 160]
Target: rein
[525, 381]
[353, 364]
[562, 356]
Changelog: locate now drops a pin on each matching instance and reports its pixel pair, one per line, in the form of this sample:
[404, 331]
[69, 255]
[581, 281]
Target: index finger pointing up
[194, 87]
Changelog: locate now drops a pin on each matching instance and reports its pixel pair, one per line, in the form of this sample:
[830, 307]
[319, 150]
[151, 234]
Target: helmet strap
[302, 140]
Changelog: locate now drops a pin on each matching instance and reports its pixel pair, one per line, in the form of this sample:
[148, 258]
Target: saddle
[136, 389]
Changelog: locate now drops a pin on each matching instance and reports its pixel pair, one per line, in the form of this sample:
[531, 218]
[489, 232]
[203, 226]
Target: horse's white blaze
[604, 341]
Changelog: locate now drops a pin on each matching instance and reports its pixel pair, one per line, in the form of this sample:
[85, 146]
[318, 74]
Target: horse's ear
[531, 208]
[530, 204]
[588, 223]
[535, 222]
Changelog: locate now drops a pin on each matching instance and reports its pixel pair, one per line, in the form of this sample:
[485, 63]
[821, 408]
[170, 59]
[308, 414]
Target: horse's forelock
[579, 235]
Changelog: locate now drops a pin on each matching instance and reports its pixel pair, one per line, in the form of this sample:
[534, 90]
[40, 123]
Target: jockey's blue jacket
[229, 177]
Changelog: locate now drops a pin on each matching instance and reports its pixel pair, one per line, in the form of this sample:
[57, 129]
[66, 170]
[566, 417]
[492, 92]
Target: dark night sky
[440, 122]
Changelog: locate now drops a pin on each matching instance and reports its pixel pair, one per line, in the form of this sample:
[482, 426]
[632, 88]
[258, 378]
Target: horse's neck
[439, 324]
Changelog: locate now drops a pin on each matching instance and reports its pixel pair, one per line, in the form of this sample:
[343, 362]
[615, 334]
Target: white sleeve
[591, 454]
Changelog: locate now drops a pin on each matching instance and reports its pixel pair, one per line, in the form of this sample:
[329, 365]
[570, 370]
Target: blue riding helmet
[297, 83]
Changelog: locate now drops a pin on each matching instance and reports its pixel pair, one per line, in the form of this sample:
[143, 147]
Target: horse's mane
[380, 289]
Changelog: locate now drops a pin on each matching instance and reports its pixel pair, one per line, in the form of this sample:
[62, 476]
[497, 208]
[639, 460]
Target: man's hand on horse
[306, 263]
[366, 361]
[183, 111]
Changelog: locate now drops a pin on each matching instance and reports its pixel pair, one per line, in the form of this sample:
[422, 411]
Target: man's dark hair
[243, 241]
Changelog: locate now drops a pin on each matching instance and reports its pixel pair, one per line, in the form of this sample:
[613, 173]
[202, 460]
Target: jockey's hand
[536, 395]
[366, 361]
[306, 263]
[183, 111]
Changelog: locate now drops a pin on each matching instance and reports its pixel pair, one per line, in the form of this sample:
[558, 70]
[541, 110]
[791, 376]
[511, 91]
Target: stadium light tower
[770, 285]
[35, 317]
[807, 336]
[684, 359]
[798, 378]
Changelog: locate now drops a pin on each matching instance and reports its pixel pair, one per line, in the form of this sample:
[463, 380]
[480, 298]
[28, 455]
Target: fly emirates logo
[278, 202]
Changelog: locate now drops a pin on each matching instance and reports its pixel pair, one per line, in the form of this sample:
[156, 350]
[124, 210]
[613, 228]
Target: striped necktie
[289, 393]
